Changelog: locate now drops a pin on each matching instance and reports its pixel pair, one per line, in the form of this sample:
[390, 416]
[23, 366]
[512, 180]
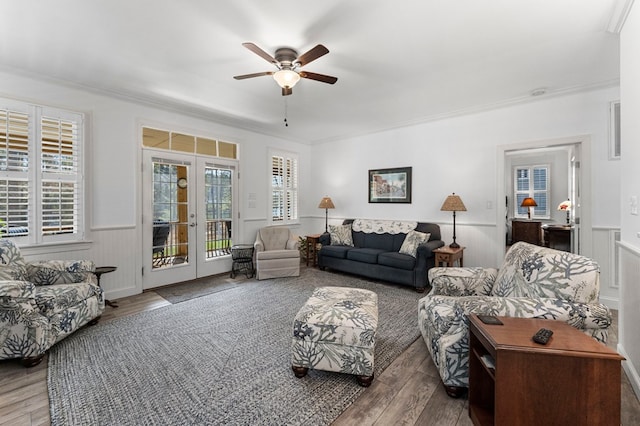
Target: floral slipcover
[43, 302]
[534, 282]
[336, 331]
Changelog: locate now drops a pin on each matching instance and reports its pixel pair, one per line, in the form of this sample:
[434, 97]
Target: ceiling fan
[288, 63]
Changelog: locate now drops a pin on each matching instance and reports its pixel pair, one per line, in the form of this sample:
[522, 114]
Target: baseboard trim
[611, 302]
[630, 369]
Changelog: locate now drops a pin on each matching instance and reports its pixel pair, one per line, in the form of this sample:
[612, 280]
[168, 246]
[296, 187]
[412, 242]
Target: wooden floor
[408, 392]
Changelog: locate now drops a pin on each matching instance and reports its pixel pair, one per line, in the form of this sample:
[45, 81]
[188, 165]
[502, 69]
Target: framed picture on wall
[390, 185]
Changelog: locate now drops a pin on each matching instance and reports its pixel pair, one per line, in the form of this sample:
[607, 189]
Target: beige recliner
[277, 254]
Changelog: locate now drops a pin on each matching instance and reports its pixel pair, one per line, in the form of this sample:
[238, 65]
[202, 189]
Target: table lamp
[326, 204]
[454, 204]
[566, 206]
[528, 203]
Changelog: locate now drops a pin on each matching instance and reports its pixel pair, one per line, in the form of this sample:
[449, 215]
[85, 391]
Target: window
[41, 179]
[532, 181]
[614, 130]
[284, 187]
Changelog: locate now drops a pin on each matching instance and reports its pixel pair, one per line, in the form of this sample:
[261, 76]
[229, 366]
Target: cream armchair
[533, 282]
[276, 252]
[43, 302]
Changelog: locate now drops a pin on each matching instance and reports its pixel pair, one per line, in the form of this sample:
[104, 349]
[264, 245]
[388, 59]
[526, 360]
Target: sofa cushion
[340, 235]
[59, 271]
[365, 255]
[382, 242]
[412, 241]
[277, 254]
[274, 237]
[397, 260]
[339, 252]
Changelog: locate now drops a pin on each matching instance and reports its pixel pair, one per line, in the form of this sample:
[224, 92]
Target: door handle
[192, 224]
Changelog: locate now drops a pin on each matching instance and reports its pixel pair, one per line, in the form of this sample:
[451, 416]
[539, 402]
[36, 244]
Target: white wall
[629, 341]
[459, 155]
[114, 172]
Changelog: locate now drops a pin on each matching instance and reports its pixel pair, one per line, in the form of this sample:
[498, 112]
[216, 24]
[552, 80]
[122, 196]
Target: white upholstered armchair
[277, 254]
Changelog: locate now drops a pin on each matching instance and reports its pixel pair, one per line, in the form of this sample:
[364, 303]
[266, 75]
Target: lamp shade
[565, 205]
[453, 203]
[528, 202]
[286, 78]
[326, 203]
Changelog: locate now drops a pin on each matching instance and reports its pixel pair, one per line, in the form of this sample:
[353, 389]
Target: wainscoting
[482, 249]
[629, 315]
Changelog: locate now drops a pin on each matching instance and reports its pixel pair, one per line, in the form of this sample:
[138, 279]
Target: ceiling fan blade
[256, 74]
[312, 55]
[318, 77]
[286, 91]
[255, 49]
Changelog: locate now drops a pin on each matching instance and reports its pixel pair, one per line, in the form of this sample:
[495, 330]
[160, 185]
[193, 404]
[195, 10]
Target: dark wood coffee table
[573, 379]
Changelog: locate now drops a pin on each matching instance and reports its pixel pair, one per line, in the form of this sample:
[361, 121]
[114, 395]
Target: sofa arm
[325, 239]
[591, 318]
[24, 331]
[258, 245]
[467, 281]
[426, 249]
[16, 291]
[50, 272]
[293, 244]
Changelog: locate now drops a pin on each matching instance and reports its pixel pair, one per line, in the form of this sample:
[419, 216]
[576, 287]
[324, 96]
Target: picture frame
[390, 185]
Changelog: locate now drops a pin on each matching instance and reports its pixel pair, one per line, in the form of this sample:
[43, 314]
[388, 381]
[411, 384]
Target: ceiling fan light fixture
[286, 78]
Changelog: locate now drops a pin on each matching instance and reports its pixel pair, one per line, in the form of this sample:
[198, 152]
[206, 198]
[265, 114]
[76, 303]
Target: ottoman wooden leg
[364, 381]
[299, 371]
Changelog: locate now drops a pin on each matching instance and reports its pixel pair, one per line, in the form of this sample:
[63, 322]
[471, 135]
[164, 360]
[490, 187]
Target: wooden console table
[449, 256]
[573, 379]
[528, 231]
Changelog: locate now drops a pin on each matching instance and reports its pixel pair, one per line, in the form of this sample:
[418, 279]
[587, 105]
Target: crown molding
[619, 16]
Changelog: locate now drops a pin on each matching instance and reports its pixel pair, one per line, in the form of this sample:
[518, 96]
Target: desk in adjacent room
[559, 237]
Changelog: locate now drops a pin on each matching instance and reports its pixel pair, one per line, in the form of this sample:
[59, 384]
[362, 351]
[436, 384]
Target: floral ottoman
[336, 331]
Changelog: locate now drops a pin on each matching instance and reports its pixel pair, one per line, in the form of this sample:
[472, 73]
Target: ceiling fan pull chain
[286, 123]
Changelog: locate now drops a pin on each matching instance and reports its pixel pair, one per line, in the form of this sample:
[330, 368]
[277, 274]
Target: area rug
[220, 359]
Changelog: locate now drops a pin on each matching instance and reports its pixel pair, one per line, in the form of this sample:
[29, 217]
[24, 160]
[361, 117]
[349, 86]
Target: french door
[188, 216]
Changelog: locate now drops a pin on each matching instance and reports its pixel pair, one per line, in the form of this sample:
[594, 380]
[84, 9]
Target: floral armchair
[534, 282]
[43, 302]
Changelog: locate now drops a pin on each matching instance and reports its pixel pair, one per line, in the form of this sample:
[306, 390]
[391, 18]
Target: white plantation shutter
[14, 169]
[14, 141]
[292, 189]
[277, 188]
[60, 148]
[284, 187]
[41, 179]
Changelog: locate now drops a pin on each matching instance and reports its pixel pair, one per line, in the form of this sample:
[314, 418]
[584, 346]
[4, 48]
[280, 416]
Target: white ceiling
[397, 62]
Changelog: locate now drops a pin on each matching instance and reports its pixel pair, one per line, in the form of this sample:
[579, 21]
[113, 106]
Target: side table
[573, 379]
[242, 257]
[105, 270]
[449, 256]
[312, 248]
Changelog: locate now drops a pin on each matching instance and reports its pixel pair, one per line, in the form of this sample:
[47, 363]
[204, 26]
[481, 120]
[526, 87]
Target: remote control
[542, 336]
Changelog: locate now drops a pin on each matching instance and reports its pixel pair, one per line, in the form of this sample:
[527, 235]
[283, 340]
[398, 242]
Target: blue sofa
[375, 251]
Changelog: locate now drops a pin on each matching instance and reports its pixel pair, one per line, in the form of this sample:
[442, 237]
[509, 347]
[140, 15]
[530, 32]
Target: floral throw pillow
[412, 241]
[340, 235]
